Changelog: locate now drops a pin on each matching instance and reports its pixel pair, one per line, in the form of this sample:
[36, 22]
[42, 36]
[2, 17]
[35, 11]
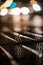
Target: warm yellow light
[6, 4]
[33, 2]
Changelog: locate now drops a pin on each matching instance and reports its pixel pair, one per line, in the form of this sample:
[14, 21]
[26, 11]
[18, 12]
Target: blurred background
[21, 32]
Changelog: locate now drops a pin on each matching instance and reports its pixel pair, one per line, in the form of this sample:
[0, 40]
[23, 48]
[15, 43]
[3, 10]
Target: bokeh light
[15, 11]
[25, 10]
[37, 21]
[4, 12]
[36, 7]
[6, 4]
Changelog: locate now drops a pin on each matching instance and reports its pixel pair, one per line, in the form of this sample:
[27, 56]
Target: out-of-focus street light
[36, 7]
[4, 12]
[15, 11]
[25, 10]
[6, 4]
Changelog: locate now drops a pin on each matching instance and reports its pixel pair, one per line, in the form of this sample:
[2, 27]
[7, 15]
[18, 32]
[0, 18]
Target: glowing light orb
[25, 10]
[4, 12]
[36, 7]
[15, 11]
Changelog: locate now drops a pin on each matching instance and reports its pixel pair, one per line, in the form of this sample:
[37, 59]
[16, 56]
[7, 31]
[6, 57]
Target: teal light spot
[13, 5]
